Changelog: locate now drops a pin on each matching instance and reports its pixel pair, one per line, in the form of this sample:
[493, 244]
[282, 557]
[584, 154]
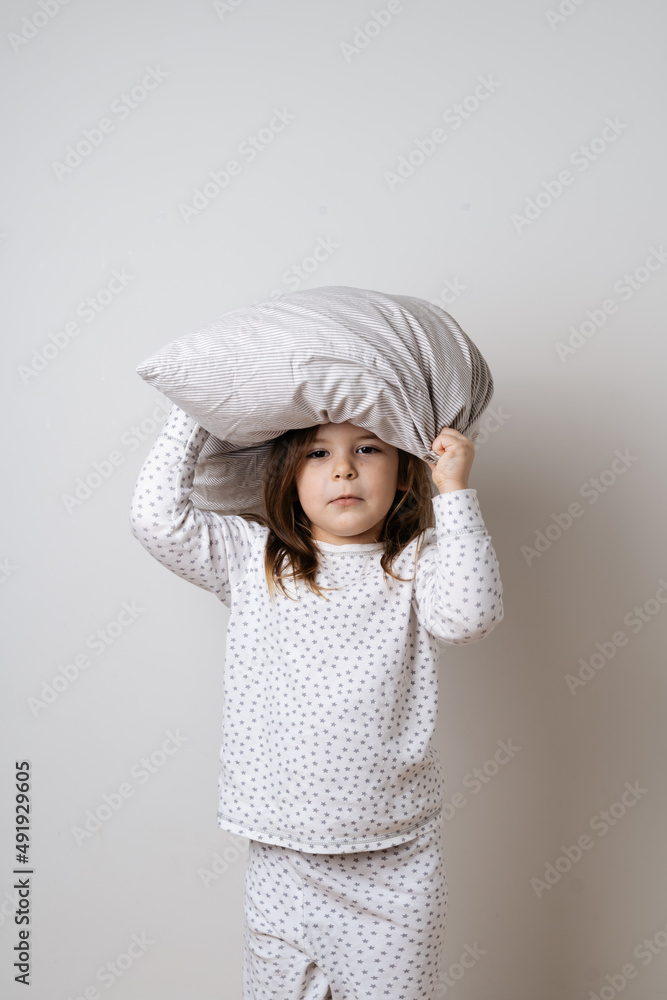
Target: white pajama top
[329, 707]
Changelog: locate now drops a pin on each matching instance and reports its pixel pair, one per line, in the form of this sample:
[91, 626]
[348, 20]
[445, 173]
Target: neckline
[352, 547]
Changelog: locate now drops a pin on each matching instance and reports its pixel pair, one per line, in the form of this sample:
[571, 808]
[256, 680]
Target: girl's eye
[322, 451]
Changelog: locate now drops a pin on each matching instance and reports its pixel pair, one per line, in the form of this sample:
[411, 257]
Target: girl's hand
[457, 453]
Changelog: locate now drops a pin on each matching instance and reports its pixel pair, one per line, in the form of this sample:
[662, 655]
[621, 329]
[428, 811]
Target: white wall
[555, 426]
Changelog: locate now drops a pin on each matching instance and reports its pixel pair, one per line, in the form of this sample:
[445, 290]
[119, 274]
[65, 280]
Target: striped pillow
[393, 364]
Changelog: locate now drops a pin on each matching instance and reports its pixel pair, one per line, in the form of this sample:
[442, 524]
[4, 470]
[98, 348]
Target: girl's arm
[203, 547]
[458, 592]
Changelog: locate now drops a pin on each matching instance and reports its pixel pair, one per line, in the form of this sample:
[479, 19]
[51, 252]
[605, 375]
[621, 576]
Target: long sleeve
[458, 592]
[205, 548]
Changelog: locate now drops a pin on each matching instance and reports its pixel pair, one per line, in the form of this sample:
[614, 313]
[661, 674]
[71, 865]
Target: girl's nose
[343, 470]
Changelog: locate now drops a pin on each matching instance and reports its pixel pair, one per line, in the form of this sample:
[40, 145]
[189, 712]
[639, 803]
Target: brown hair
[290, 549]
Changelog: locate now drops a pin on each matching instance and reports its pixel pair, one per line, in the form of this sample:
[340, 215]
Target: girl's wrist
[452, 487]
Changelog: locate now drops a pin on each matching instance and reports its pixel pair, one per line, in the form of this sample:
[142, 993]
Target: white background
[365, 87]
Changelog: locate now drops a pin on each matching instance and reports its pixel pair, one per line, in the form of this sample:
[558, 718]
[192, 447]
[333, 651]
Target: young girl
[338, 609]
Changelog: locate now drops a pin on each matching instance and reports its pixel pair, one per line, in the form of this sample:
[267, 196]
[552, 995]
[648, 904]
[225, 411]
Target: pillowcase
[393, 364]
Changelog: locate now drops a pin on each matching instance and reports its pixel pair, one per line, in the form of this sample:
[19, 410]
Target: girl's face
[347, 459]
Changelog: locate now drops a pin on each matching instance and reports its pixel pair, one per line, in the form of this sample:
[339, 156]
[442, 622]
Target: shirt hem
[335, 845]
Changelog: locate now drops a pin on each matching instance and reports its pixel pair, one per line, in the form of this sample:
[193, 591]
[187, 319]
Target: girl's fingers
[445, 436]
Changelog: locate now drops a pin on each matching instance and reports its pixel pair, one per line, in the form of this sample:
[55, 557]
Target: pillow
[393, 364]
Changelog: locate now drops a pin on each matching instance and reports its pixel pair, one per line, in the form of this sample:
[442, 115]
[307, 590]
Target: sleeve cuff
[458, 511]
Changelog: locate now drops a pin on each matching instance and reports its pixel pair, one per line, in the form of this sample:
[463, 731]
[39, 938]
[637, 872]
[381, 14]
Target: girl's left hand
[457, 453]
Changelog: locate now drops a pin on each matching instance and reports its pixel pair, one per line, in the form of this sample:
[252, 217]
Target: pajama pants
[359, 926]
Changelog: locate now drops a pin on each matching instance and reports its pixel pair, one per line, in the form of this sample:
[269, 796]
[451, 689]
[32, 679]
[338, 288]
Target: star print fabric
[345, 926]
[329, 707]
